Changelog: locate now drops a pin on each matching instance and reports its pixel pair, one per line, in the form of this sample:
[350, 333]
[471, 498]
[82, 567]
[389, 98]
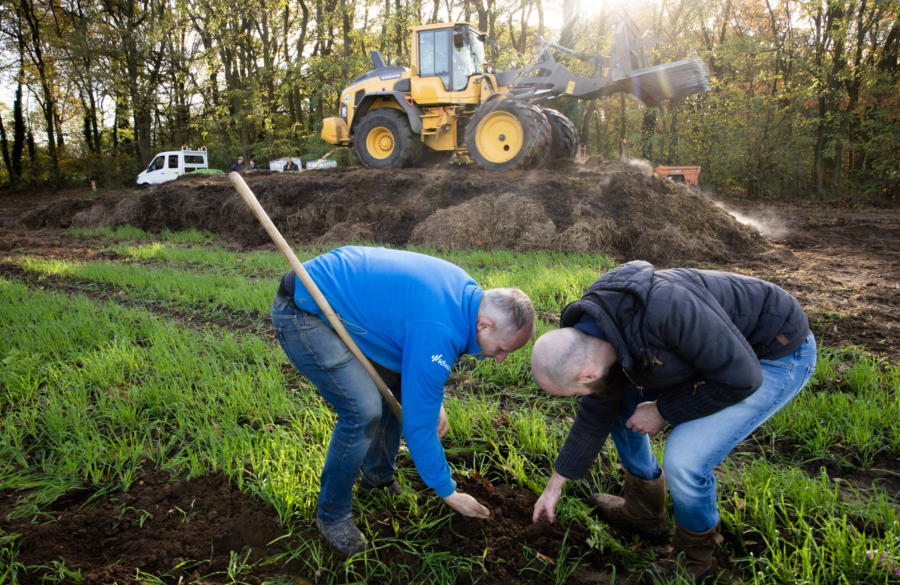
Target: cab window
[158, 163]
[468, 55]
[193, 159]
[434, 58]
[173, 161]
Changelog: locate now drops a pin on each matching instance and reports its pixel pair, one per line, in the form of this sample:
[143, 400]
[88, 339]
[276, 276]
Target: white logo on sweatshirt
[442, 363]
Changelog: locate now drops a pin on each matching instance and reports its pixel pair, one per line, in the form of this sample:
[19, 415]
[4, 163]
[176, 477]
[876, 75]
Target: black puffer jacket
[691, 339]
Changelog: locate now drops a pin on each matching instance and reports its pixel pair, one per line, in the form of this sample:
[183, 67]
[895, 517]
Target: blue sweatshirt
[414, 315]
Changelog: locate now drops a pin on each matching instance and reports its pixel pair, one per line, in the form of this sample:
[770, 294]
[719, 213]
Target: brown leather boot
[642, 510]
[693, 556]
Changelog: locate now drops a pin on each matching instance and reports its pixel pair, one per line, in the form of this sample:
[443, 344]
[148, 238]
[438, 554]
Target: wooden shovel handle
[317, 295]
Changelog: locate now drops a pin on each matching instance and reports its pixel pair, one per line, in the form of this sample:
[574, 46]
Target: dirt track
[844, 267]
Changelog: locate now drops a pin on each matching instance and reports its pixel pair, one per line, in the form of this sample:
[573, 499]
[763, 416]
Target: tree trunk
[32, 148]
[398, 10]
[585, 129]
[4, 147]
[18, 146]
[37, 55]
[346, 15]
[386, 16]
[648, 131]
[540, 9]
[57, 119]
[570, 17]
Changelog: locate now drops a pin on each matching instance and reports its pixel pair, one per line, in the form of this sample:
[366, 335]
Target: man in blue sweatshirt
[413, 316]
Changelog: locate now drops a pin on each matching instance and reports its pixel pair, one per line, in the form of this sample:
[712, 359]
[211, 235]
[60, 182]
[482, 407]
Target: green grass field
[155, 354]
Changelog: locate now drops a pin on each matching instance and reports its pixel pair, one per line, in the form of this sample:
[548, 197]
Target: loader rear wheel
[506, 134]
[564, 139]
[384, 140]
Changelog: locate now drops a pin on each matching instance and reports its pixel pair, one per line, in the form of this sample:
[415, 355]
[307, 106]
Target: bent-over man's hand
[646, 419]
[443, 423]
[546, 504]
[467, 505]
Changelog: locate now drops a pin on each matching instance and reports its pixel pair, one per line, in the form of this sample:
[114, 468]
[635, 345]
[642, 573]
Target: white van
[168, 166]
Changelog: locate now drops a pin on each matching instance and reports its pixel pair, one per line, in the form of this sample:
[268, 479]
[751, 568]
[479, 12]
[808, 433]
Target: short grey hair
[510, 308]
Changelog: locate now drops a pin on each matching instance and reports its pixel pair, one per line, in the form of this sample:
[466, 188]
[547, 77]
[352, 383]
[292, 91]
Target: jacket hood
[616, 301]
[633, 277]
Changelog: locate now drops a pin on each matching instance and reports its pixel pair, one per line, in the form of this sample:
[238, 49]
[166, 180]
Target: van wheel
[143, 186]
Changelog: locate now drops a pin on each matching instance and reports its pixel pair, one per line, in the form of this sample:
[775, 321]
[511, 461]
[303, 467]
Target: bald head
[567, 361]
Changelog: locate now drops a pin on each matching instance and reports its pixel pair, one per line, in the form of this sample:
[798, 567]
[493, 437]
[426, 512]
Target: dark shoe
[392, 489]
[693, 556]
[642, 510]
[344, 538]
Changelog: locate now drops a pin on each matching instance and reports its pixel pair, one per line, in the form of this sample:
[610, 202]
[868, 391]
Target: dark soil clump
[511, 543]
[616, 208]
[164, 529]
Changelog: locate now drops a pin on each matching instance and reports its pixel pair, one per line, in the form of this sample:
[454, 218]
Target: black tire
[564, 141]
[536, 136]
[144, 186]
[406, 146]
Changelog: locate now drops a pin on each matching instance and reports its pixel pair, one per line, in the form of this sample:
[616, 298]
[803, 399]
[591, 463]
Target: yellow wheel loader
[450, 101]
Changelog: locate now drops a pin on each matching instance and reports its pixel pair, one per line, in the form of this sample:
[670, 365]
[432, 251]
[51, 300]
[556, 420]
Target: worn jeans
[367, 434]
[694, 448]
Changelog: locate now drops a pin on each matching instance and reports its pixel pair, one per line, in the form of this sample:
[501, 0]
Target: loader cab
[445, 57]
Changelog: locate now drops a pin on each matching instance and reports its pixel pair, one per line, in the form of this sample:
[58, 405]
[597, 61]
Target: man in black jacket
[712, 353]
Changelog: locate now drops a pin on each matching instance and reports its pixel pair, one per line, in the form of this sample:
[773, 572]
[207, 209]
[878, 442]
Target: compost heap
[619, 209]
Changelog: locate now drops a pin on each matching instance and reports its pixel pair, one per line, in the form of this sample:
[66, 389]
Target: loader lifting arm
[626, 69]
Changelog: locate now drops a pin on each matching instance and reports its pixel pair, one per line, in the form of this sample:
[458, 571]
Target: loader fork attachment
[626, 69]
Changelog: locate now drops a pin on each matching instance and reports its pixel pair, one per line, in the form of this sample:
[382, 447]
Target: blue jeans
[367, 434]
[694, 448]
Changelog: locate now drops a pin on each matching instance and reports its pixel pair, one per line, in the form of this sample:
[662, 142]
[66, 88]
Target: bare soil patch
[162, 528]
[843, 265]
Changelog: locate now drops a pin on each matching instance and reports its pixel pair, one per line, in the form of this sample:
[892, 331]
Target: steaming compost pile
[621, 209]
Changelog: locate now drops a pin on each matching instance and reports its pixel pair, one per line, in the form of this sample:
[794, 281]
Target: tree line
[804, 98]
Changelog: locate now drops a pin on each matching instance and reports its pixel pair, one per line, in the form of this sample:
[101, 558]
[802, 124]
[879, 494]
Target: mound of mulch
[509, 541]
[155, 527]
[616, 208]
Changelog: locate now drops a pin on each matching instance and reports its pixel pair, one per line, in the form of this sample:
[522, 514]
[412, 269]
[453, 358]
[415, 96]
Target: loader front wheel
[564, 139]
[385, 140]
[506, 134]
